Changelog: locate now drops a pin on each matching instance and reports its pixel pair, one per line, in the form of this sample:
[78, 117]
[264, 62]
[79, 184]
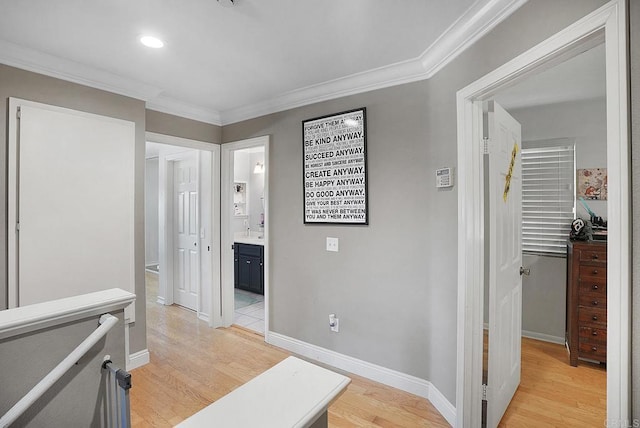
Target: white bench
[293, 393]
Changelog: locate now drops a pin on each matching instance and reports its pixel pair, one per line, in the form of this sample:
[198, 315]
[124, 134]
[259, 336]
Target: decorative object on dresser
[587, 301]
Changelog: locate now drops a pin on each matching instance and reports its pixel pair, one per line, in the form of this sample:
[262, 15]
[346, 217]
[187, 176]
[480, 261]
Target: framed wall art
[334, 168]
[592, 183]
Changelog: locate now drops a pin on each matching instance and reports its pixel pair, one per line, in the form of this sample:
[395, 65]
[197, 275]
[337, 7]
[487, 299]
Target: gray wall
[48, 90]
[167, 124]
[635, 168]
[394, 283]
[77, 399]
[544, 291]
[39, 88]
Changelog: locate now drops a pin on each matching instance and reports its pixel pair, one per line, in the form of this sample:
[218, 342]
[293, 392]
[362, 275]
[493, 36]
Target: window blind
[548, 198]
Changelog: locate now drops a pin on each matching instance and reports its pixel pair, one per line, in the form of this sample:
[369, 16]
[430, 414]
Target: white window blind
[548, 198]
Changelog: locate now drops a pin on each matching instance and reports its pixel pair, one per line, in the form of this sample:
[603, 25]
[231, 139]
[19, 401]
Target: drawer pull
[595, 318]
[595, 271]
[595, 287]
[595, 303]
[595, 257]
[594, 333]
[594, 349]
[248, 262]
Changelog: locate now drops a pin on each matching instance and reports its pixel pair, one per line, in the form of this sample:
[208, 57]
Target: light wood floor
[554, 394]
[193, 365]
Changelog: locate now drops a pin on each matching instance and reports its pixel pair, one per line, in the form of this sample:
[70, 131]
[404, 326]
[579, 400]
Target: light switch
[332, 244]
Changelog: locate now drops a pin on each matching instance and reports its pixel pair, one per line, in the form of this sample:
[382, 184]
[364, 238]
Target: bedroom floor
[554, 394]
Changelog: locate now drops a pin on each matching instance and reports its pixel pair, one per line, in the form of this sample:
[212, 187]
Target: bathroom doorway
[245, 234]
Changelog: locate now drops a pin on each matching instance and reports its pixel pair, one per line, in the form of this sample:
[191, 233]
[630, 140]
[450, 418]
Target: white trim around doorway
[608, 22]
[227, 287]
[208, 295]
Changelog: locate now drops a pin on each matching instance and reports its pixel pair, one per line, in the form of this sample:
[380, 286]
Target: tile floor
[249, 312]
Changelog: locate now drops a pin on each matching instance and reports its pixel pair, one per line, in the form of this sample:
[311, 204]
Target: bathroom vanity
[249, 266]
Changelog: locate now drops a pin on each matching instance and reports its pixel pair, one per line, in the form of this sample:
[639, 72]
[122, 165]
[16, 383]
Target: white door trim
[209, 219]
[610, 21]
[227, 288]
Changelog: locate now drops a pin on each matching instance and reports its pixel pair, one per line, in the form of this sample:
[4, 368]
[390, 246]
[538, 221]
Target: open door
[186, 281]
[505, 260]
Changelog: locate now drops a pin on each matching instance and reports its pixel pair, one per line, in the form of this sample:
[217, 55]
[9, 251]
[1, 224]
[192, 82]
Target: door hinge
[484, 392]
[18, 113]
[485, 145]
[17, 226]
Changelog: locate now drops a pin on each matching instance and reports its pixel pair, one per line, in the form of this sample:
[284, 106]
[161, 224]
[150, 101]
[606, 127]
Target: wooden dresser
[587, 301]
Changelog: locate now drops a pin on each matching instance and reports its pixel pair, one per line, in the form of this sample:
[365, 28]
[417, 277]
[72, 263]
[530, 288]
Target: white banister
[107, 321]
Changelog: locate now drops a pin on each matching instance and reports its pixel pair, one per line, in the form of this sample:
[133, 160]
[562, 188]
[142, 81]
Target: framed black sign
[334, 167]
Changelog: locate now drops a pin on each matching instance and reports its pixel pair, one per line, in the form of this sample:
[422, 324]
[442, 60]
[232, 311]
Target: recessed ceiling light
[151, 42]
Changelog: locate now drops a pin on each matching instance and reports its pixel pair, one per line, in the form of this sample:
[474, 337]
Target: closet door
[71, 198]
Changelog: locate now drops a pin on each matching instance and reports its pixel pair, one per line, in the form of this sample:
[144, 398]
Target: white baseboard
[538, 336]
[204, 317]
[395, 379]
[160, 300]
[138, 359]
[543, 337]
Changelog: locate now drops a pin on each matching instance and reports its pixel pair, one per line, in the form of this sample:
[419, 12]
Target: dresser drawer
[593, 285]
[593, 256]
[593, 300]
[594, 350]
[593, 334]
[591, 316]
[599, 272]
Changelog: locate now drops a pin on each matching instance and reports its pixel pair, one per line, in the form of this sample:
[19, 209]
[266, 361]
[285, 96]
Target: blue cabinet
[249, 267]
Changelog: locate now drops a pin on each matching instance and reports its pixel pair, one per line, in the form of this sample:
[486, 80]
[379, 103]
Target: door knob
[524, 271]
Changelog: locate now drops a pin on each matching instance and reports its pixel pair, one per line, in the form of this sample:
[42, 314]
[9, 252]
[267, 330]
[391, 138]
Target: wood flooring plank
[192, 365]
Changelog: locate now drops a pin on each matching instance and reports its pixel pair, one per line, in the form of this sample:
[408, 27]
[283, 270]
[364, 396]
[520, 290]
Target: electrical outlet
[332, 244]
[334, 323]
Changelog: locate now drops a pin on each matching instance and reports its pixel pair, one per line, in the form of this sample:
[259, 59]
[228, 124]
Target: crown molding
[165, 104]
[478, 20]
[71, 71]
[391, 75]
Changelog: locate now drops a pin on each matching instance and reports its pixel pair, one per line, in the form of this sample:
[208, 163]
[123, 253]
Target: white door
[71, 203]
[186, 281]
[505, 260]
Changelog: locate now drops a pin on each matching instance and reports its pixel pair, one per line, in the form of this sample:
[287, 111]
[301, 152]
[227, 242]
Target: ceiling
[225, 64]
[582, 77]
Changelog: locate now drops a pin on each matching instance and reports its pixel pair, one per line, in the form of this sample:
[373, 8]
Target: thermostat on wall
[444, 177]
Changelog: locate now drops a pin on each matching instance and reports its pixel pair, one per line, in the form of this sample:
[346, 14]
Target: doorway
[562, 112]
[471, 261]
[245, 234]
[182, 222]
